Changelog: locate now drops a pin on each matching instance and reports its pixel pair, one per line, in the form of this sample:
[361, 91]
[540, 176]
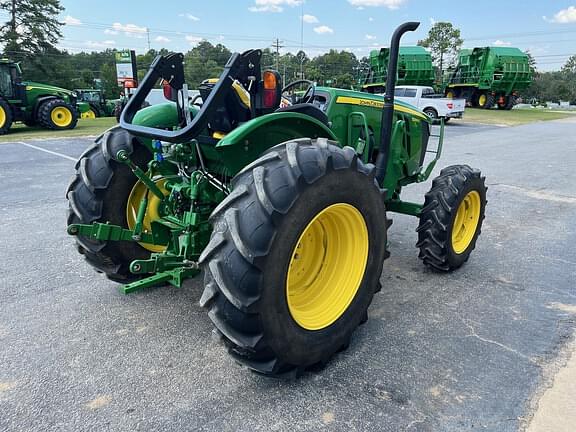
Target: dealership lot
[469, 350]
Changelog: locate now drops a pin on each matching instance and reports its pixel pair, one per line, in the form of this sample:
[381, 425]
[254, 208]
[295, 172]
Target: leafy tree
[570, 66]
[32, 27]
[444, 42]
[531, 61]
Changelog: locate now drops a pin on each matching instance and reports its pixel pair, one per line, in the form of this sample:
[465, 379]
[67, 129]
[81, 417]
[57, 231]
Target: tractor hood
[31, 85]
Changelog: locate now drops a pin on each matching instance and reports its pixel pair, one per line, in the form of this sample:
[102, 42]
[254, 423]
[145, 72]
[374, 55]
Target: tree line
[32, 31]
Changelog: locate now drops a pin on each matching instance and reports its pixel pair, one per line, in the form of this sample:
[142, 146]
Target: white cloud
[432, 21]
[110, 32]
[370, 37]
[273, 5]
[130, 30]
[309, 19]
[501, 43]
[390, 4]
[101, 44]
[564, 16]
[161, 39]
[189, 16]
[71, 21]
[370, 19]
[193, 40]
[323, 30]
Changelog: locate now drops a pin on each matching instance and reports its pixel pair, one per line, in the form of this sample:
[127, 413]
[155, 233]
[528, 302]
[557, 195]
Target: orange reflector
[269, 80]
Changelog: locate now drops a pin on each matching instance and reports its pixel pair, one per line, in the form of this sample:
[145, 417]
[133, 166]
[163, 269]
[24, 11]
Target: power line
[277, 45]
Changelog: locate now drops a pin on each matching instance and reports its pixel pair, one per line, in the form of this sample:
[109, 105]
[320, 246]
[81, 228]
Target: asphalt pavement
[465, 351]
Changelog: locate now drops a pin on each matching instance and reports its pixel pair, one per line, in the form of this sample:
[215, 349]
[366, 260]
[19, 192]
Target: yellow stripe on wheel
[482, 100]
[61, 116]
[2, 117]
[327, 266]
[90, 114]
[466, 222]
[152, 210]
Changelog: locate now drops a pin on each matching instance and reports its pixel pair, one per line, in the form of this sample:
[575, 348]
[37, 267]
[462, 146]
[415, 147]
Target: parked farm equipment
[283, 209]
[34, 103]
[489, 76]
[414, 68]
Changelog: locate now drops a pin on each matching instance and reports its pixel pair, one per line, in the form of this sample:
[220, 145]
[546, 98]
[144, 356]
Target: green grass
[20, 132]
[513, 117]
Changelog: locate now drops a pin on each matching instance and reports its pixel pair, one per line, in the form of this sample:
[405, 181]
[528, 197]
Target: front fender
[247, 142]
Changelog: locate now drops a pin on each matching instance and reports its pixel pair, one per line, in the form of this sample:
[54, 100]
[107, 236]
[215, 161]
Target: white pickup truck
[435, 106]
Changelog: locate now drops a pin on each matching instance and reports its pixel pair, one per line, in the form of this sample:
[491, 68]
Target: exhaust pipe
[388, 109]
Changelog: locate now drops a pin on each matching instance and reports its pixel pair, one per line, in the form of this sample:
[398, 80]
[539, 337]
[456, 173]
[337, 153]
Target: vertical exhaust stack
[388, 110]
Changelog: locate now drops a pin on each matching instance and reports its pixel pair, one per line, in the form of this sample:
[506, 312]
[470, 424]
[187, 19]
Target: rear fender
[246, 143]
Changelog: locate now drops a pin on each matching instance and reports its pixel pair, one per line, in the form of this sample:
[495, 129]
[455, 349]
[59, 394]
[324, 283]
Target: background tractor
[283, 209]
[34, 103]
[99, 105]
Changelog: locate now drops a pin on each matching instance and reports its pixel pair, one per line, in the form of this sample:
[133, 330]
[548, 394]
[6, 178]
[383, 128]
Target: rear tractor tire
[101, 191]
[56, 114]
[6, 117]
[451, 219]
[295, 256]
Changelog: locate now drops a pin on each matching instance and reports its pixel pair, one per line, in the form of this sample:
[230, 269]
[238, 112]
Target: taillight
[167, 89]
[270, 89]
[450, 105]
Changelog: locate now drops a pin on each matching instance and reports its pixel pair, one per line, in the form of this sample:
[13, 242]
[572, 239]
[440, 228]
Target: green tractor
[33, 103]
[284, 210]
[99, 105]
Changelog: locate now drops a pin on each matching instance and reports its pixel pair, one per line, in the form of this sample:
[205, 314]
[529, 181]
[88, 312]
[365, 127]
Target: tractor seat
[309, 110]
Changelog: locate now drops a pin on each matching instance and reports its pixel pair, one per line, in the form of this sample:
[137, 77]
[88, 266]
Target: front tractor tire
[295, 256]
[56, 114]
[451, 219]
[100, 191]
[6, 117]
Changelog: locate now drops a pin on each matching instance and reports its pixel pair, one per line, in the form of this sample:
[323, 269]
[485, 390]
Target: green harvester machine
[283, 210]
[414, 68]
[35, 103]
[489, 76]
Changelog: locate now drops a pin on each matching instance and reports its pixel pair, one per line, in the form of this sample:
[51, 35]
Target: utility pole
[277, 45]
[148, 37]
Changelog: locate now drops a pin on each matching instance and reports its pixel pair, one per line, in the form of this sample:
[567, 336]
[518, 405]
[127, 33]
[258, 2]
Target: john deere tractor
[34, 103]
[99, 106]
[284, 210]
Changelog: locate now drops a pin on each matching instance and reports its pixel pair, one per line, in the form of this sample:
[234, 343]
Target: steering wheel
[307, 97]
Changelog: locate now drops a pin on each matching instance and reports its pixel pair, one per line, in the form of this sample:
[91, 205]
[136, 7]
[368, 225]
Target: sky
[546, 28]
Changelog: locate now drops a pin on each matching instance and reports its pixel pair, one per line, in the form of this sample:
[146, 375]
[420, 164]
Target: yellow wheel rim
[466, 222]
[327, 266]
[61, 116]
[450, 95]
[482, 100]
[152, 210]
[88, 115]
[2, 117]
